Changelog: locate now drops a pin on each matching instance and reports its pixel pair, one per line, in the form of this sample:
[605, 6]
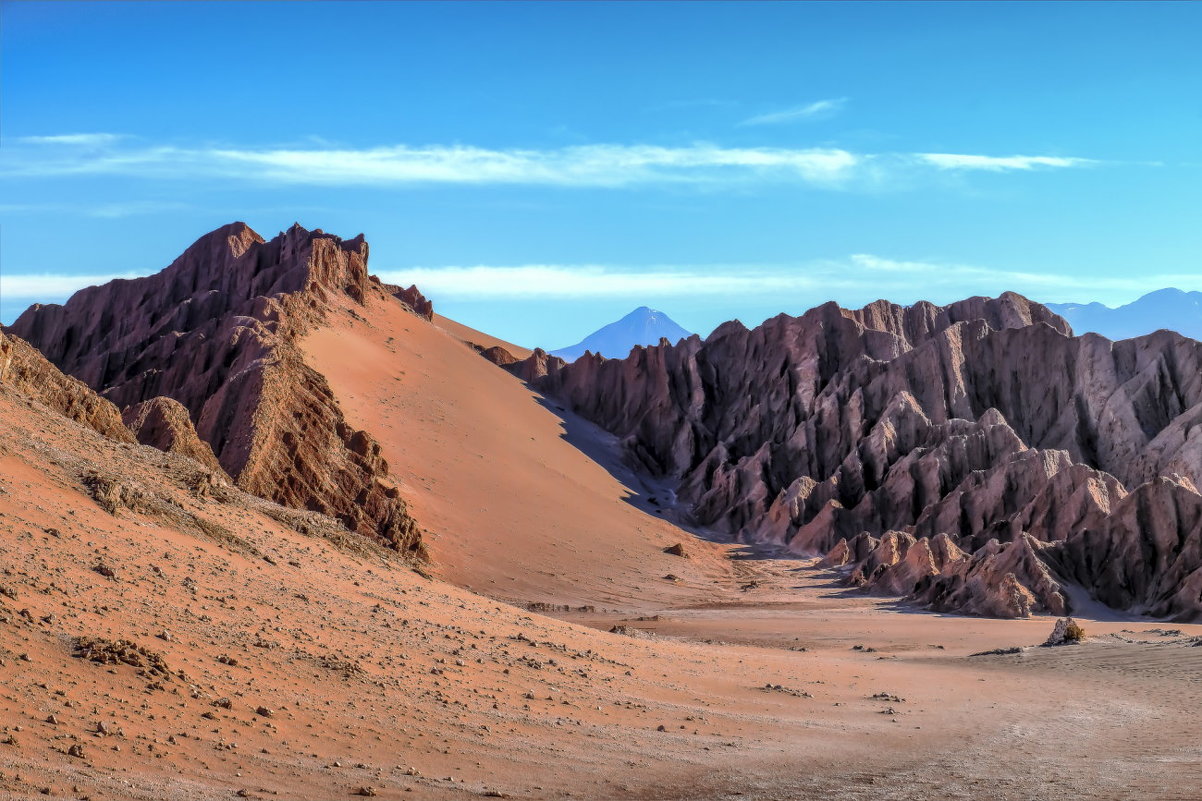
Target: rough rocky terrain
[217, 331]
[165, 635]
[25, 370]
[164, 423]
[977, 457]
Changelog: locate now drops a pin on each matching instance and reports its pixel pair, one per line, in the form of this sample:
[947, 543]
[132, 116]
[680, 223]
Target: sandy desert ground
[282, 664]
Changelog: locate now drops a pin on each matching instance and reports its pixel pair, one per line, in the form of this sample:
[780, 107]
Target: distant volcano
[643, 326]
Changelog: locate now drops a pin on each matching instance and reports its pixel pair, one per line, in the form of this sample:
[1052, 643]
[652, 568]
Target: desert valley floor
[282, 664]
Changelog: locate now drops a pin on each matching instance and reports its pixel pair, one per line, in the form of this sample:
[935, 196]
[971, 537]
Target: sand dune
[466, 334]
[513, 509]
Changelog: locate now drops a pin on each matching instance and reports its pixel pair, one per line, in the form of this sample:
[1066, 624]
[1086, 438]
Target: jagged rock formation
[164, 423]
[977, 457]
[495, 354]
[26, 371]
[217, 331]
[535, 366]
[415, 300]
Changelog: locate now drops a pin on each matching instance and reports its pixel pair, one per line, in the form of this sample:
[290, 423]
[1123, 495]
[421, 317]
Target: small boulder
[1066, 632]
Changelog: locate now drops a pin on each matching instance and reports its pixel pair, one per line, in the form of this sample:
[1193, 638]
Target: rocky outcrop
[535, 366]
[495, 354]
[217, 331]
[413, 299]
[26, 371]
[164, 423]
[975, 457]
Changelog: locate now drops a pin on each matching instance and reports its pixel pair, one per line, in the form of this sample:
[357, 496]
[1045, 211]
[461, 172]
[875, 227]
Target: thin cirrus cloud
[818, 110]
[813, 281]
[599, 165]
[77, 139]
[50, 286]
[959, 161]
[112, 211]
[817, 280]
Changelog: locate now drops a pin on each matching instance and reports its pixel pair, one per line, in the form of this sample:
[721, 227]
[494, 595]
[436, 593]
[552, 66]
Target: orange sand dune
[513, 508]
[466, 334]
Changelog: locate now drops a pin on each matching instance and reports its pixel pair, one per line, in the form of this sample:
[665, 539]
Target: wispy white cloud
[593, 281]
[960, 161]
[816, 280]
[114, 210]
[75, 139]
[819, 109]
[587, 165]
[599, 165]
[47, 287]
[794, 285]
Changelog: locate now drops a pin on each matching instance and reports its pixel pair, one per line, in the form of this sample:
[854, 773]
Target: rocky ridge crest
[218, 331]
[975, 457]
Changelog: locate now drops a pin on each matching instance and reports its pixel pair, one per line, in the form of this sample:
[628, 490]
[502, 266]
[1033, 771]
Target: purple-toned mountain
[976, 457]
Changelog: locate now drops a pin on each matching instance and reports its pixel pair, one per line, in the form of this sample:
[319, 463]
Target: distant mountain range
[1165, 308]
[643, 326]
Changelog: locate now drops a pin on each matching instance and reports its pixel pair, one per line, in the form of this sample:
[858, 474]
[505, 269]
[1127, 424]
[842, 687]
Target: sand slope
[467, 334]
[512, 508]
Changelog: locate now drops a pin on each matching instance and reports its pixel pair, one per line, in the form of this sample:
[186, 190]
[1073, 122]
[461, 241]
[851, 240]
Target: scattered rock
[1065, 632]
[122, 652]
[999, 652]
[779, 688]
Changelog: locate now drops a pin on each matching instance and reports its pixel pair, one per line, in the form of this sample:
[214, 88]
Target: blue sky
[541, 169]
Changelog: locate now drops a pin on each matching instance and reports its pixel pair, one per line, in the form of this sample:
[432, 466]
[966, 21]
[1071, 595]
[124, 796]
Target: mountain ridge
[1169, 309]
[960, 455]
[216, 331]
